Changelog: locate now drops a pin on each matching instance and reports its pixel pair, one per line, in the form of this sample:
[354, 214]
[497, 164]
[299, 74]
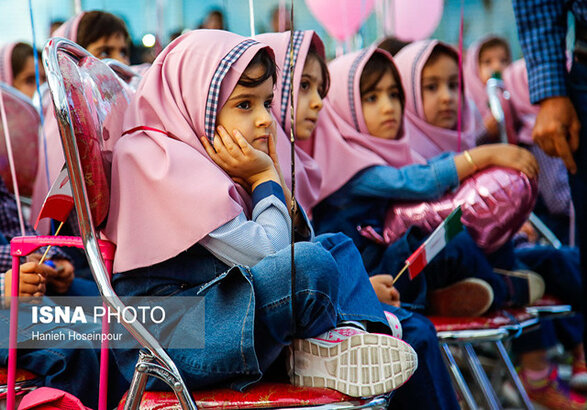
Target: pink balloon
[416, 19]
[341, 18]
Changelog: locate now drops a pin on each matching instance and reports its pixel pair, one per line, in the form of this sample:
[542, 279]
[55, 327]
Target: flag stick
[401, 272]
[49, 247]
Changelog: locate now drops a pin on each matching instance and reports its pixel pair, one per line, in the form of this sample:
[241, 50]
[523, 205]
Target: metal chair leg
[458, 378]
[481, 377]
[513, 375]
[138, 382]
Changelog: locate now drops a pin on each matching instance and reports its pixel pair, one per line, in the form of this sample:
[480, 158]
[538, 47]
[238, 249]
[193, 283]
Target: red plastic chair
[89, 99]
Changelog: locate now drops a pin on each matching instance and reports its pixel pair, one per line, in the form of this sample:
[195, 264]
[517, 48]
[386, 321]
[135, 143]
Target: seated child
[364, 151]
[488, 56]
[554, 202]
[200, 145]
[17, 68]
[436, 64]
[310, 85]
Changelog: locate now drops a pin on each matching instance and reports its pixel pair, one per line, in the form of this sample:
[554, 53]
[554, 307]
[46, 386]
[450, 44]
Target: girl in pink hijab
[310, 84]
[199, 208]
[429, 69]
[487, 57]
[17, 68]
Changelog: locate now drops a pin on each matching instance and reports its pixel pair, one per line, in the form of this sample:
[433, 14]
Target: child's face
[309, 100]
[382, 108]
[248, 110]
[114, 47]
[25, 81]
[440, 92]
[491, 60]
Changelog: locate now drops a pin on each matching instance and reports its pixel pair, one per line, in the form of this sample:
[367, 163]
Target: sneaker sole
[363, 365]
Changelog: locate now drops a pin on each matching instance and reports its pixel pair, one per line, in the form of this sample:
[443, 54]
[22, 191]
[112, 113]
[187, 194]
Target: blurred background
[164, 18]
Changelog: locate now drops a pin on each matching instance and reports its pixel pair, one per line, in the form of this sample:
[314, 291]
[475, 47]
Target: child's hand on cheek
[239, 159]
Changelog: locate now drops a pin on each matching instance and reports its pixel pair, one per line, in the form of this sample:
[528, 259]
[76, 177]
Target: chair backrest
[90, 101]
[23, 125]
[95, 100]
[128, 74]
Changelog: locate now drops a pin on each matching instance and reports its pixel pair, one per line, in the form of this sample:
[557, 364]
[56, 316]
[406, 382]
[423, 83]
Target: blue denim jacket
[365, 199]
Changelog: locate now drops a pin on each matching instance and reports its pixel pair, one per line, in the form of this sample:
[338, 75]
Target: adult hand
[557, 128]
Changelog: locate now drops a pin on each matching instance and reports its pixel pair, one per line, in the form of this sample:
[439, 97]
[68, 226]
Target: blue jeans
[248, 317]
[562, 276]
[430, 387]
[578, 95]
[460, 259]
[60, 366]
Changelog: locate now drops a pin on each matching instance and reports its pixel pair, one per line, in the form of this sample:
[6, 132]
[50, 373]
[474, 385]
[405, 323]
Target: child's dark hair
[20, 53]
[97, 24]
[313, 53]
[495, 42]
[392, 45]
[442, 50]
[377, 66]
[264, 59]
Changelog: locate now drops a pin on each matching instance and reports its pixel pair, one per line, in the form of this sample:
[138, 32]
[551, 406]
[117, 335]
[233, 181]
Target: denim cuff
[267, 189]
[445, 172]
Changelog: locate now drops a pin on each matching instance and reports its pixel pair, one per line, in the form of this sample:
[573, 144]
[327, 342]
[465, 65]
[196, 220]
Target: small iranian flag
[59, 201]
[436, 242]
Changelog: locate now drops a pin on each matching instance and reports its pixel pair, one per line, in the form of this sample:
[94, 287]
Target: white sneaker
[351, 361]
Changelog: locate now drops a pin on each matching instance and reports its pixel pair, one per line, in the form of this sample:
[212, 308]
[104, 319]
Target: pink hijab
[68, 29]
[167, 194]
[308, 175]
[429, 140]
[55, 159]
[6, 63]
[515, 78]
[477, 91]
[341, 143]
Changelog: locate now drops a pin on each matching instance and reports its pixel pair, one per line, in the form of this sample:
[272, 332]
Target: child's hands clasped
[241, 161]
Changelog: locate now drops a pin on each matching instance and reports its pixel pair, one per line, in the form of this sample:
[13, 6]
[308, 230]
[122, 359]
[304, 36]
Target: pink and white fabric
[515, 78]
[553, 181]
[6, 63]
[308, 175]
[477, 91]
[341, 143]
[68, 29]
[166, 193]
[426, 139]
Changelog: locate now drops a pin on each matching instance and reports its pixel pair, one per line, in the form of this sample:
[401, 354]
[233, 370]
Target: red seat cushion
[260, 395]
[21, 375]
[491, 321]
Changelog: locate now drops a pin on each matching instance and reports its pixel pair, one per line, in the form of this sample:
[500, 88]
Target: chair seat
[550, 307]
[262, 395]
[494, 320]
[21, 375]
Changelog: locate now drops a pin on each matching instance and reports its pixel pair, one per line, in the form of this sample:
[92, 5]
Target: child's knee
[315, 268]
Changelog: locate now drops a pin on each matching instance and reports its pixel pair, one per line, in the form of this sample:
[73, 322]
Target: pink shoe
[352, 361]
[394, 324]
